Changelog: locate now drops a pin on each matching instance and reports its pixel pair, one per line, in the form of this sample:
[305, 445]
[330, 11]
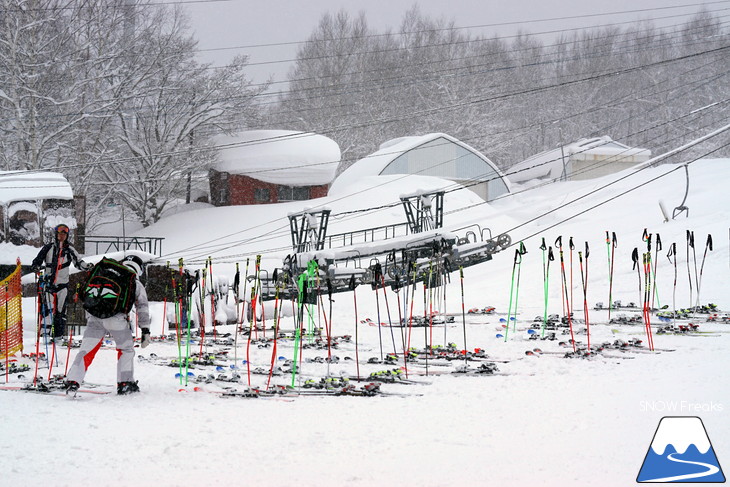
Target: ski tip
[499, 335]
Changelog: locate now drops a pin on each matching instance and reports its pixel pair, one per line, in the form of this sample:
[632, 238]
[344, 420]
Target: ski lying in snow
[248, 393]
[483, 370]
[580, 353]
[54, 391]
[277, 392]
[368, 390]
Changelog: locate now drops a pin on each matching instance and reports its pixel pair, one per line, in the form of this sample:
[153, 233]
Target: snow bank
[279, 157]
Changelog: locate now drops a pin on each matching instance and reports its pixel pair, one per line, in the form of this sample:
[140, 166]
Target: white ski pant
[94, 333]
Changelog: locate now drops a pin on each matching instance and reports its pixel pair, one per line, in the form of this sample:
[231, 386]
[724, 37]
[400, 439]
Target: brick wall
[241, 190]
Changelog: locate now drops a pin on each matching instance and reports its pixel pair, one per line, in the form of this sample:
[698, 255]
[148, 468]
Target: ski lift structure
[419, 250]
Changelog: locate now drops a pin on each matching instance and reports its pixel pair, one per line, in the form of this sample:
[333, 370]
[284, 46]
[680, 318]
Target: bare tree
[170, 108]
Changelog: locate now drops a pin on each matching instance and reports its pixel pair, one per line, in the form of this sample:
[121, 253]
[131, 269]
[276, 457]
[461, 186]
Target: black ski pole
[708, 245]
[614, 244]
[673, 253]
[690, 243]
[657, 249]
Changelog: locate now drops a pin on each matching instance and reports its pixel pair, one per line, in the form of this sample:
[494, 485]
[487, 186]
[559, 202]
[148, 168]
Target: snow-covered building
[32, 204]
[584, 159]
[436, 155]
[271, 166]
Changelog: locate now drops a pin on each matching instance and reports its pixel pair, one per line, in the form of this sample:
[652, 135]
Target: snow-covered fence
[103, 244]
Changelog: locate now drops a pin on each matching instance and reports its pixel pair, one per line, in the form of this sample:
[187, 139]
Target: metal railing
[103, 244]
[367, 235]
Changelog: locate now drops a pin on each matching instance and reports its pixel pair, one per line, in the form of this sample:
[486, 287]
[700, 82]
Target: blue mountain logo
[681, 452]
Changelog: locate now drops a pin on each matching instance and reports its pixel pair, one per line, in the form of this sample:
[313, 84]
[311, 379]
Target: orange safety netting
[11, 314]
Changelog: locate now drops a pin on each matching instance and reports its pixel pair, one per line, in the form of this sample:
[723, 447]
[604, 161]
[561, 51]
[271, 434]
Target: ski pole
[39, 324]
[608, 267]
[431, 285]
[647, 298]
[571, 247]
[673, 253]
[396, 289]
[427, 348]
[71, 334]
[559, 246]
[442, 307]
[201, 309]
[565, 288]
[519, 252]
[352, 287]
[708, 246]
[511, 293]
[612, 254]
[546, 259]
[387, 309]
[252, 322]
[276, 331]
[522, 251]
[164, 301]
[463, 315]
[657, 247]
[236, 289]
[584, 285]
[543, 247]
[312, 279]
[52, 337]
[413, 301]
[212, 299]
[330, 330]
[187, 292]
[374, 285]
[243, 308]
[46, 327]
[635, 259]
[302, 284]
[181, 298]
[690, 243]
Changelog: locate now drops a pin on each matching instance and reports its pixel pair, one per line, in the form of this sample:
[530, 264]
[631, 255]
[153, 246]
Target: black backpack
[110, 289]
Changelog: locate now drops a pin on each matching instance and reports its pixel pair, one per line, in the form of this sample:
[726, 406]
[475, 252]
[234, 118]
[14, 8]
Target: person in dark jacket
[54, 259]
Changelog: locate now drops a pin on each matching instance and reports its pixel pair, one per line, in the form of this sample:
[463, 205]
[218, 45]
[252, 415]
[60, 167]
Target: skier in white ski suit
[120, 329]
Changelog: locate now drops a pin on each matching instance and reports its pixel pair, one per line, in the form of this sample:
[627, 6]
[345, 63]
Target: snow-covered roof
[375, 163]
[549, 164]
[279, 157]
[24, 185]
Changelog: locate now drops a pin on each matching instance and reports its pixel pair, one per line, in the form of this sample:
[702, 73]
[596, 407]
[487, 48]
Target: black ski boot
[127, 387]
[71, 386]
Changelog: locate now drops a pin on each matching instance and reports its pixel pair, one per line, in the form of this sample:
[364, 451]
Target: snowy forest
[114, 96]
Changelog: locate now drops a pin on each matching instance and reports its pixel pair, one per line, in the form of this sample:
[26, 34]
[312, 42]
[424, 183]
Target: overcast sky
[221, 26]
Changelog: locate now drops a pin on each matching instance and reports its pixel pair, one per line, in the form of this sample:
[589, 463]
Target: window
[301, 193]
[293, 193]
[261, 195]
[445, 159]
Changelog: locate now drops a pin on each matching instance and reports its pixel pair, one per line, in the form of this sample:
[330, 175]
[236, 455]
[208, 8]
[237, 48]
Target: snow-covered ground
[544, 420]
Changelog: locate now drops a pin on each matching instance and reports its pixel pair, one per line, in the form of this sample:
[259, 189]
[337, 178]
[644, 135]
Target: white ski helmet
[134, 263]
